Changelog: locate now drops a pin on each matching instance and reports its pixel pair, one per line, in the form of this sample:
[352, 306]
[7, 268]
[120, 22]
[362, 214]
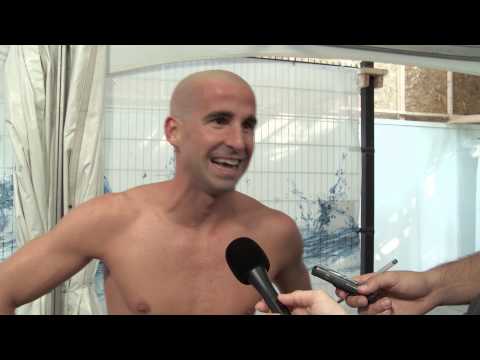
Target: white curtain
[55, 100]
[33, 79]
[83, 158]
[3, 52]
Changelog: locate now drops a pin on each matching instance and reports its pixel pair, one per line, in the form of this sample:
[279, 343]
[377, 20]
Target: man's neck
[189, 206]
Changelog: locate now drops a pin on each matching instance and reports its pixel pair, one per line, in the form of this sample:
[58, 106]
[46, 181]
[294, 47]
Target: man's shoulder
[90, 225]
[106, 208]
[264, 215]
[146, 193]
[247, 204]
[108, 201]
[278, 219]
[280, 229]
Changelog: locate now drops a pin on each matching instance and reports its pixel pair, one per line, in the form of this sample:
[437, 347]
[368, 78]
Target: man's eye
[220, 120]
[248, 125]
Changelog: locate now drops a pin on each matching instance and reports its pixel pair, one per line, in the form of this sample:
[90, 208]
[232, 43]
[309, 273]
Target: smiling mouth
[227, 163]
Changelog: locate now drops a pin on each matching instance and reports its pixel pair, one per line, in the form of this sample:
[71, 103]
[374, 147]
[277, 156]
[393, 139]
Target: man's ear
[171, 128]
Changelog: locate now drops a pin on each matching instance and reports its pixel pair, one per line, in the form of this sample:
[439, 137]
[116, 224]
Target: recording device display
[336, 279]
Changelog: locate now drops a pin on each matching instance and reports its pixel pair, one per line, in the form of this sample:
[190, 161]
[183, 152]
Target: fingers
[363, 278]
[300, 311]
[304, 298]
[298, 298]
[357, 301]
[341, 294]
[380, 307]
[377, 282]
[387, 312]
[311, 302]
[262, 307]
[302, 302]
[359, 278]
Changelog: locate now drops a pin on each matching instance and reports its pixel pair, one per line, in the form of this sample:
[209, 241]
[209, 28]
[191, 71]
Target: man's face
[217, 139]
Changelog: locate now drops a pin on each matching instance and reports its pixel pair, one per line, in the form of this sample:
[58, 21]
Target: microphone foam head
[243, 255]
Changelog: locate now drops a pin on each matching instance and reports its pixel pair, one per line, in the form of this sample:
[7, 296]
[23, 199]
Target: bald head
[191, 90]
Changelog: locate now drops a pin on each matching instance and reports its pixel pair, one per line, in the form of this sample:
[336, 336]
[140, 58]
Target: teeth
[227, 161]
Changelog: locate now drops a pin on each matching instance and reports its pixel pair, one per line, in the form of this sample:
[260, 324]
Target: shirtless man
[164, 244]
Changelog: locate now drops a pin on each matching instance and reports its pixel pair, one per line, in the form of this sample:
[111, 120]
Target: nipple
[143, 308]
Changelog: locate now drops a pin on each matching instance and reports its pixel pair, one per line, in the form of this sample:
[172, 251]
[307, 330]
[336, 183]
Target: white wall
[425, 192]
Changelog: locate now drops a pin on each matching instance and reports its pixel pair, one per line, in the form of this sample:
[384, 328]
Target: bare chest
[165, 271]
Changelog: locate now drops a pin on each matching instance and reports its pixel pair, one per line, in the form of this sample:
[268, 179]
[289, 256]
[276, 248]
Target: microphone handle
[259, 279]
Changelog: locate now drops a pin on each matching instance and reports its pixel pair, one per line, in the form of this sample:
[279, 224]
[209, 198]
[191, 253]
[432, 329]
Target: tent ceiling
[455, 58]
[454, 52]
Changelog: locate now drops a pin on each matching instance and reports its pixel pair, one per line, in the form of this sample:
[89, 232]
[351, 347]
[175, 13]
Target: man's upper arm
[45, 262]
[293, 275]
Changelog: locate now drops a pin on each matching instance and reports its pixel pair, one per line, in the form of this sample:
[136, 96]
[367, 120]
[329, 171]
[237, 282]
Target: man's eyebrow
[229, 115]
[216, 114]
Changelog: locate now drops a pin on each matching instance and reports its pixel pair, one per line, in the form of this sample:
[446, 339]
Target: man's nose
[236, 139]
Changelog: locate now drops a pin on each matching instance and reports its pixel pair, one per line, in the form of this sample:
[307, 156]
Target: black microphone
[249, 264]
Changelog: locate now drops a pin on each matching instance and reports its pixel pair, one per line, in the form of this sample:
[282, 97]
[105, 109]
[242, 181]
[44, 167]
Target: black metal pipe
[367, 187]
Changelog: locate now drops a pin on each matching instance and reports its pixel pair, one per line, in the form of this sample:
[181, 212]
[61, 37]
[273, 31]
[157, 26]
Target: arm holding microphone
[400, 292]
[306, 302]
[410, 292]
